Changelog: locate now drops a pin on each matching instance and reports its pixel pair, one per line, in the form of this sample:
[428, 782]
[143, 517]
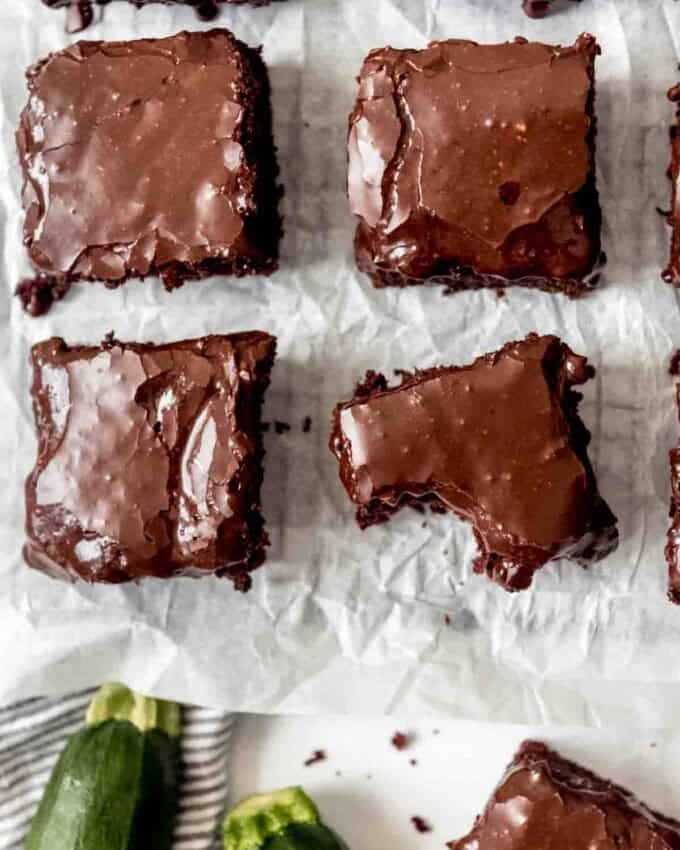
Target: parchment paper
[341, 620]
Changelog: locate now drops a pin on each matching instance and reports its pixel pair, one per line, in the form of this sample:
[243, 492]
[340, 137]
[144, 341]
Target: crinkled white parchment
[340, 620]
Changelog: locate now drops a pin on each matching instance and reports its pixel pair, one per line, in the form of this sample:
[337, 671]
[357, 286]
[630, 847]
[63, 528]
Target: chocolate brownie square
[149, 458]
[473, 165]
[499, 443]
[547, 801]
[148, 157]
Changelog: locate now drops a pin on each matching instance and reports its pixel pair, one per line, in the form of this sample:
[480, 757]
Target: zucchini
[283, 820]
[114, 786]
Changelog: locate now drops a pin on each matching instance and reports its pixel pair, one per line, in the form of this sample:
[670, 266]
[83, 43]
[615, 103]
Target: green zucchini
[283, 820]
[114, 786]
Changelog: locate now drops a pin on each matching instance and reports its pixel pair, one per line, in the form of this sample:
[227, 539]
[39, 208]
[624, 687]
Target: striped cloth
[34, 732]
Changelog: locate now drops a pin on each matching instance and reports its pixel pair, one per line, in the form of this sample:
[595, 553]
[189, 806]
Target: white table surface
[372, 800]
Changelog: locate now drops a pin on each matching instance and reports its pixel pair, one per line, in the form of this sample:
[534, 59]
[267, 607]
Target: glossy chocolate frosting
[473, 165]
[545, 802]
[498, 442]
[149, 458]
[150, 157]
[80, 12]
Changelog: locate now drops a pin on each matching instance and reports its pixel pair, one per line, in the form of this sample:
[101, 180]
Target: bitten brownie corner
[175, 146]
[435, 200]
[498, 442]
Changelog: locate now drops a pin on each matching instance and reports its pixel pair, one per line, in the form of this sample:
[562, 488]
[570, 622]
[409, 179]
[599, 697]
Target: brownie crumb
[338, 773]
[109, 341]
[500, 293]
[400, 740]
[674, 366]
[243, 582]
[447, 620]
[37, 294]
[306, 424]
[316, 756]
[281, 427]
[420, 824]
[413, 762]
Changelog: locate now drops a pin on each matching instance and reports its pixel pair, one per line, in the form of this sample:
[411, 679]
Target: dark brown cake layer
[81, 12]
[149, 458]
[149, 157]
[473, 165]
[545, 801]
[672, 272]
[498, 442]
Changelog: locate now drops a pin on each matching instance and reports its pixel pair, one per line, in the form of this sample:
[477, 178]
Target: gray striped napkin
[33, 733]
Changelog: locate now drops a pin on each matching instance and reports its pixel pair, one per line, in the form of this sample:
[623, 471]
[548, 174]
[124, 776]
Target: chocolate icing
[80, 13]
[149, 458]
[472, 165]
[498, 442]
[150, 157]
[545, 801]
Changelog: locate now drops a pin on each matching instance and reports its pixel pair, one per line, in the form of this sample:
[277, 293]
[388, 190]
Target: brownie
[672, 272]
[473, 166]
[148, 157]
[499, 443]
[547, 801]
[149, 458]
[80, 13]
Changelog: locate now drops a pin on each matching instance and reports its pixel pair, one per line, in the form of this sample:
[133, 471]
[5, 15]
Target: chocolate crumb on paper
[401, 740]
[420, 824]
[316, 757]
